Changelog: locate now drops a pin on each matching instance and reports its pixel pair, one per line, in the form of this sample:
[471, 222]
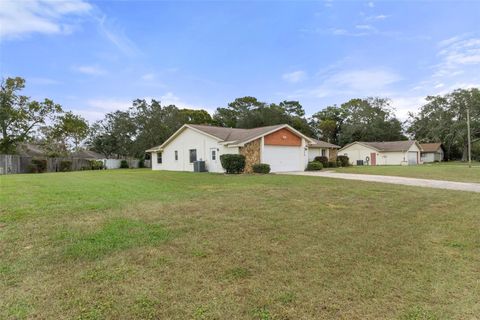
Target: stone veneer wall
[333, 154]
[251, 151]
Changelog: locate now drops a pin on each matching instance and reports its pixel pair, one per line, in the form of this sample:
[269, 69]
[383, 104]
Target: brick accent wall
[251, 151]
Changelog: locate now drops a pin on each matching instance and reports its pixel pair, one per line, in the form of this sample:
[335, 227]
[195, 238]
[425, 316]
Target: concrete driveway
[438, 184]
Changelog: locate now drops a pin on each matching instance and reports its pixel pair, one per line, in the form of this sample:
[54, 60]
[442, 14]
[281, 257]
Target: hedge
[261, 168]
[322, 159]
[124, 164]
[65, 165]
[233, 163]
[314, 166]
[343, 161]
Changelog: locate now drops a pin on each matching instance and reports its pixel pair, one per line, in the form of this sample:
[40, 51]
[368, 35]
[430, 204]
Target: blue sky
[96, 57]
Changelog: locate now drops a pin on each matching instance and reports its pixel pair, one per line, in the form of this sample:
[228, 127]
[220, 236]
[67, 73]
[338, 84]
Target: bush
[141, 163]
[65, 165]
[233, 163]
[31, 168]
[314, 166]
[322, 159]
[261, 168]
[40, 165]
[124, 164]
[343, 161]
[96, 165]
[332, 164]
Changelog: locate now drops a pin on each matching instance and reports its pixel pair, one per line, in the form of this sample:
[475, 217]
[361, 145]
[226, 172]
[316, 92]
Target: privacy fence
[12, 164]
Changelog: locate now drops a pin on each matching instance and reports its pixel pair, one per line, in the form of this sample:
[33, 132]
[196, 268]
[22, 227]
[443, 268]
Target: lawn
[126, 244]
[455, 171]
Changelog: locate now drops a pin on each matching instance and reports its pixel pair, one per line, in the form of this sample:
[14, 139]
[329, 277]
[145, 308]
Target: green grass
[125, 244]
[455, 171]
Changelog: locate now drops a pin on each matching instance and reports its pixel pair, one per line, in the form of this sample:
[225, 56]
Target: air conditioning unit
[359, 162]
[199, 166]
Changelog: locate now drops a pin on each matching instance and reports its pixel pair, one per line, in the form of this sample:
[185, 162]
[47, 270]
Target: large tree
[248, 112]
[19, 115]
[444, 119]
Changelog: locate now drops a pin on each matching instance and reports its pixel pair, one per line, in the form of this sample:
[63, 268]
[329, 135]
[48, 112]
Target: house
[281, 146]
[382, 153]
[432, 152]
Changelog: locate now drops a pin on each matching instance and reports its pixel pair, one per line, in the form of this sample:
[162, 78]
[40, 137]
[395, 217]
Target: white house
[432, 152]
[281, 146]
[382, 153]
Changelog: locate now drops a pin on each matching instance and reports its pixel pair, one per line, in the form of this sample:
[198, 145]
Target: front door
[213, 161]
[373, 158]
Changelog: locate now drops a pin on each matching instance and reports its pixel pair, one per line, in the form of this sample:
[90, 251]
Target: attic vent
[284, 137]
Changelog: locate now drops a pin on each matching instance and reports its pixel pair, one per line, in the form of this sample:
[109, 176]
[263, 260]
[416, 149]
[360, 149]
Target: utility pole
[468, 139]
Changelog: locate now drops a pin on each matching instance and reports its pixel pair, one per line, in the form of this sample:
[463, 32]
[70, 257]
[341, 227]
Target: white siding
[316, 152]
[191, 139]
[360, 152]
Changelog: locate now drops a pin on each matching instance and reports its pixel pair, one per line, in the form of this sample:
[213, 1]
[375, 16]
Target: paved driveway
[438, 184]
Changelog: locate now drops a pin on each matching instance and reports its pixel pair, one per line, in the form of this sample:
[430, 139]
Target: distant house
[87, 154]
[432, 152]
[280, 146]
[382, 153]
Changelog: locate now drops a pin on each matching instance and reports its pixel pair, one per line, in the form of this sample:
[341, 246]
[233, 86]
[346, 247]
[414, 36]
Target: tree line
[128, 133]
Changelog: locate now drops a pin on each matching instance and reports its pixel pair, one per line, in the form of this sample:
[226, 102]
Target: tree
[248, 112]
[326, 123]
[443, 119]
[71, 127]
[370, 119]
[20, 116]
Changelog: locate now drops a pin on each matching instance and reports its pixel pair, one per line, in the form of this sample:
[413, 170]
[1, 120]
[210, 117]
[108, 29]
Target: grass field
[126, 244]
[455, 171]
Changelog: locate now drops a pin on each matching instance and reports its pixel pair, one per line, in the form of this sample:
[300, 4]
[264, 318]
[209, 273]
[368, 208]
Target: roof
[387, 146]
[87, 154]
[30, 150]
[431, 147]
[231, 136]
[322, 144]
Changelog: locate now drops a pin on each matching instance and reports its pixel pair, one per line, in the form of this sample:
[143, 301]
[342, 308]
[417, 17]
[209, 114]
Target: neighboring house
[281, 146]
[322, 148]
[382, 153]
[432, 152]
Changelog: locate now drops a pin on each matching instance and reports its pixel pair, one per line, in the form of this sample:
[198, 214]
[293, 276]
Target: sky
[95, 57]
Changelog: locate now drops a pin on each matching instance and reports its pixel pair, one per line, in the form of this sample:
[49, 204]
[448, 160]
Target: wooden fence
[12, 164]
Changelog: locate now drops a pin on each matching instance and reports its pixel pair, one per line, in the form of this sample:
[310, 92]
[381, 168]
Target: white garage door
[412, 157]
[282, 158]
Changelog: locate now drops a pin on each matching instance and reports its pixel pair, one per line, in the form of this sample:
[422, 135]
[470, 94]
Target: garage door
[283, 158]
[412, 157]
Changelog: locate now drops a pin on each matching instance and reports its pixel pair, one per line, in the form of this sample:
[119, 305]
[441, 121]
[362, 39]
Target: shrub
[31, 168]
[332, 164]
[314, 166]
[65, 165]
[96, 165]
[343, 161]
[141, 163]
[261, 168]
[40, 164]
[124, 164]
[323, 160]
[233, 163]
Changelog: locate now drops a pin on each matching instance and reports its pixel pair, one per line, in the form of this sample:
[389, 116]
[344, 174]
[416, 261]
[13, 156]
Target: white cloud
[371, 4]
[20, 18]
[116, 35]
[148, 77]
[366, 81]
[90, 70]
[364, 27]
[377, 17]
[109, 104]
[295, 76]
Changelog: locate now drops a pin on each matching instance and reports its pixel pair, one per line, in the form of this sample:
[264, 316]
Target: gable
[283, 137]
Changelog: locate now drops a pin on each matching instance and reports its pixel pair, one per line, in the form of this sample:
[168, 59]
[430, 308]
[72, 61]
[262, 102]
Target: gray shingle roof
[323, 144]
[390, 146]
[431, 147]
[234, 134]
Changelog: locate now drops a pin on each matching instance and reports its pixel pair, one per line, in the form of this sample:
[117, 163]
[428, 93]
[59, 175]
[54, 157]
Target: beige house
[432, 152]
[382, 153]
[322, 148]
[280, 146]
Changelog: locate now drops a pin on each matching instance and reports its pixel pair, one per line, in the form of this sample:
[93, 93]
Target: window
[176, 155]
[159, 157]
[324, 152]
[193, 155]
[214, 154]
